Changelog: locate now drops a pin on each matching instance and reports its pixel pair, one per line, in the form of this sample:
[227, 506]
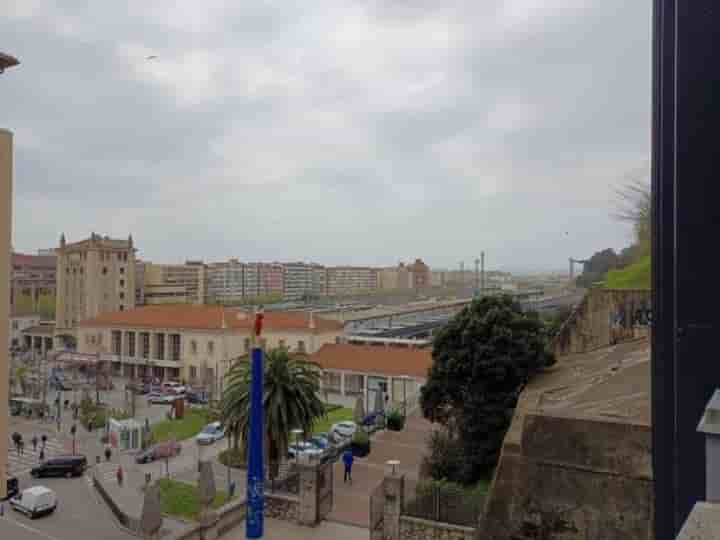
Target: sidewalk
[283, 530]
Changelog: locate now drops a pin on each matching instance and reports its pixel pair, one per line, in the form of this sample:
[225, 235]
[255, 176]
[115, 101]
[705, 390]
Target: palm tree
[290, 397]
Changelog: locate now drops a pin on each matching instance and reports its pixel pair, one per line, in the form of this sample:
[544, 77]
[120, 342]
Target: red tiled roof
[193, 317]
[388, 360]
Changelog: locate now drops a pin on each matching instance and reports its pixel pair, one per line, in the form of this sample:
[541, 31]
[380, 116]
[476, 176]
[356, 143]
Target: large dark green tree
[481, 361]
[290, 396]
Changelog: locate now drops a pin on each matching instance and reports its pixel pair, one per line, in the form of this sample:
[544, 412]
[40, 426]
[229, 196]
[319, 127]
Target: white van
[35, 501]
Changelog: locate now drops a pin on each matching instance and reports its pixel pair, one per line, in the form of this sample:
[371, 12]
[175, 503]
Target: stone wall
[421, 529]
[573, 479]
[591, 324]
[282, 507]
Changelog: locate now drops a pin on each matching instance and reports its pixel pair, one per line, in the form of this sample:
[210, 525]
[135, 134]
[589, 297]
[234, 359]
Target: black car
[13, 488]
[66, 466]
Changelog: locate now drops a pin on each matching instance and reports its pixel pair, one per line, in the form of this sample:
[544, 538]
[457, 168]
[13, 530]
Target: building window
[193, 372]
[15, 325]
[131, 343]
[193, 347]
[211, 347]
[122, 295]
[116, 342]
[104, 270]
[145, 339]
[353, 384]
[281, 343]
[122, 282]
[160, 346]
[331, 382]
[122, 308]
[301, 346]
[122, 270]
[175, 347]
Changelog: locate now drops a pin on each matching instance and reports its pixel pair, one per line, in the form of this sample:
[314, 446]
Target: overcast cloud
[358, 132]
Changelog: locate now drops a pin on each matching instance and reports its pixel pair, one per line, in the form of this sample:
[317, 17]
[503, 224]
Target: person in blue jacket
[348, 461]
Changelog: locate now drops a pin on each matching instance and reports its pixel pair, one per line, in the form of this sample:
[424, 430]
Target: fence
[377, 511]
[442, 503]
[325, 489]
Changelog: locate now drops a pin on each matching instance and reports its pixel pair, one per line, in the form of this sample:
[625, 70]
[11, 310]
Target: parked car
[66, 466]
[35, 501]
[163, 398]
[197, 398]
[304, 449]
[320, 441]
[173, 386]
[13, 488]
[210, 433]
[344, 429]
[159, 451]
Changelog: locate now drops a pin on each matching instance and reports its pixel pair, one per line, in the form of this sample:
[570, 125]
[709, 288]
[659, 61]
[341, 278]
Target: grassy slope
[635, 276]
[183, 500]
[338, 415]
[189, 426]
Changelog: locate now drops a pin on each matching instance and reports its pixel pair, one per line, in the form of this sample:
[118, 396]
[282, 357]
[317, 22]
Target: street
[80, 515]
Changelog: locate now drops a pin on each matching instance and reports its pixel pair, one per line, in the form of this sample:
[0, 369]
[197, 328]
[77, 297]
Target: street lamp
[297, 432]
[7, 61]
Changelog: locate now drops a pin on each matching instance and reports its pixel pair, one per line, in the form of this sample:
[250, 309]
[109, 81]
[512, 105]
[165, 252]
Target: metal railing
[444, 504]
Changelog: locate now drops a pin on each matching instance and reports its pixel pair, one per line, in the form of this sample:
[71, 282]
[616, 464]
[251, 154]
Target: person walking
[348, 462]
[119, 475]
[34, 442]
[108, 453]
[22, 447]
[44, 441]
[41, 457]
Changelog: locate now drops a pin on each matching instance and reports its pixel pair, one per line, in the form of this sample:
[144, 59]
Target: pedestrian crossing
[20, 463]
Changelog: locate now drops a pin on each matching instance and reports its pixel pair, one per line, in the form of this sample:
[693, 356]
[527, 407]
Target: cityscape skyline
[364, 132]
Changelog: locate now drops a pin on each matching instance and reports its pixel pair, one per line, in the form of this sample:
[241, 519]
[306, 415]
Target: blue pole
[256, 470]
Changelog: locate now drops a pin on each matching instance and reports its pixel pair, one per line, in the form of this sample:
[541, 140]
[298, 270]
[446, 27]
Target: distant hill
[634, 276]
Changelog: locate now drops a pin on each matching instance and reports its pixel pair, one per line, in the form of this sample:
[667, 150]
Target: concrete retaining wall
[573, 479]
[589, 326]
[421, 529]
[129, 522]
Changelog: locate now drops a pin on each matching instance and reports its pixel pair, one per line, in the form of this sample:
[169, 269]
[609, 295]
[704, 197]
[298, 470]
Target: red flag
[259, 316]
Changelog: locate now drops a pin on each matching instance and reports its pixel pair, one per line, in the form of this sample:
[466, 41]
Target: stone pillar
[208, 518]
[309, 485]
[394, 488]
[151, 517]
[342, 383]
[153, 348]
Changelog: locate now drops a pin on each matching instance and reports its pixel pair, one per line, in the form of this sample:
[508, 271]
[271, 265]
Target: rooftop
[387, 360]
[196, 317]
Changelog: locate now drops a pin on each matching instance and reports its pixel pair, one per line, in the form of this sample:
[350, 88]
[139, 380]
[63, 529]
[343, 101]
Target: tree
[290, 397]
[635, 207]
[597, 266]
[482, 359]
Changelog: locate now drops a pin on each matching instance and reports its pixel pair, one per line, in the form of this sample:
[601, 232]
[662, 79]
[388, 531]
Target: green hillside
[635, 276]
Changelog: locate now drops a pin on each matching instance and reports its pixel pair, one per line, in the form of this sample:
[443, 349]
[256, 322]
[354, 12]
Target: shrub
[360, 443]
[395, 420]
[445, 459]
[234, 458]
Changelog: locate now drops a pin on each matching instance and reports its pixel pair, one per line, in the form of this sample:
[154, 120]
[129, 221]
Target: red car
[162, 450]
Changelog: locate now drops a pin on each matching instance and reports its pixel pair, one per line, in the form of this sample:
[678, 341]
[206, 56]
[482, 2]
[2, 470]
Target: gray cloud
[359, 131]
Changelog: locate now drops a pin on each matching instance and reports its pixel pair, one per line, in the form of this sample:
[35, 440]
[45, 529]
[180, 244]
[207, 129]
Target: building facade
[18, 324]
[352, 371]
[421, 278]
[396, 277]
[298, 281]
[94, 276]
[6, 171]
[174, 283]
[195, 343]
[226, 281]
[31, 276]
[344, 280]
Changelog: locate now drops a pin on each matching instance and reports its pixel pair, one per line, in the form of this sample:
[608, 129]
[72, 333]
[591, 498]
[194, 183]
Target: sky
[337, 131]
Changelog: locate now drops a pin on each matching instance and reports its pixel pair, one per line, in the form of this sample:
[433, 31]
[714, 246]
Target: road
[80, 515]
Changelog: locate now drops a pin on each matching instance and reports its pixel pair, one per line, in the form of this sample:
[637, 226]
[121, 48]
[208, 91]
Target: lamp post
[297, 432]
[254, 523]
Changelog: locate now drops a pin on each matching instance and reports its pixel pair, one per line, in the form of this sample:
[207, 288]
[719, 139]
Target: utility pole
[482, 272]
[477, 277]
[462, 273]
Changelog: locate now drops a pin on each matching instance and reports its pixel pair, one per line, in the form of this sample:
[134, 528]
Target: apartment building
[421, 276]
[94, 276]
[319, 280]
[343, 280]
[193, 342]
[226, 281]
[396, 277]
[175, 283]
[262, 279]
[298, 280]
